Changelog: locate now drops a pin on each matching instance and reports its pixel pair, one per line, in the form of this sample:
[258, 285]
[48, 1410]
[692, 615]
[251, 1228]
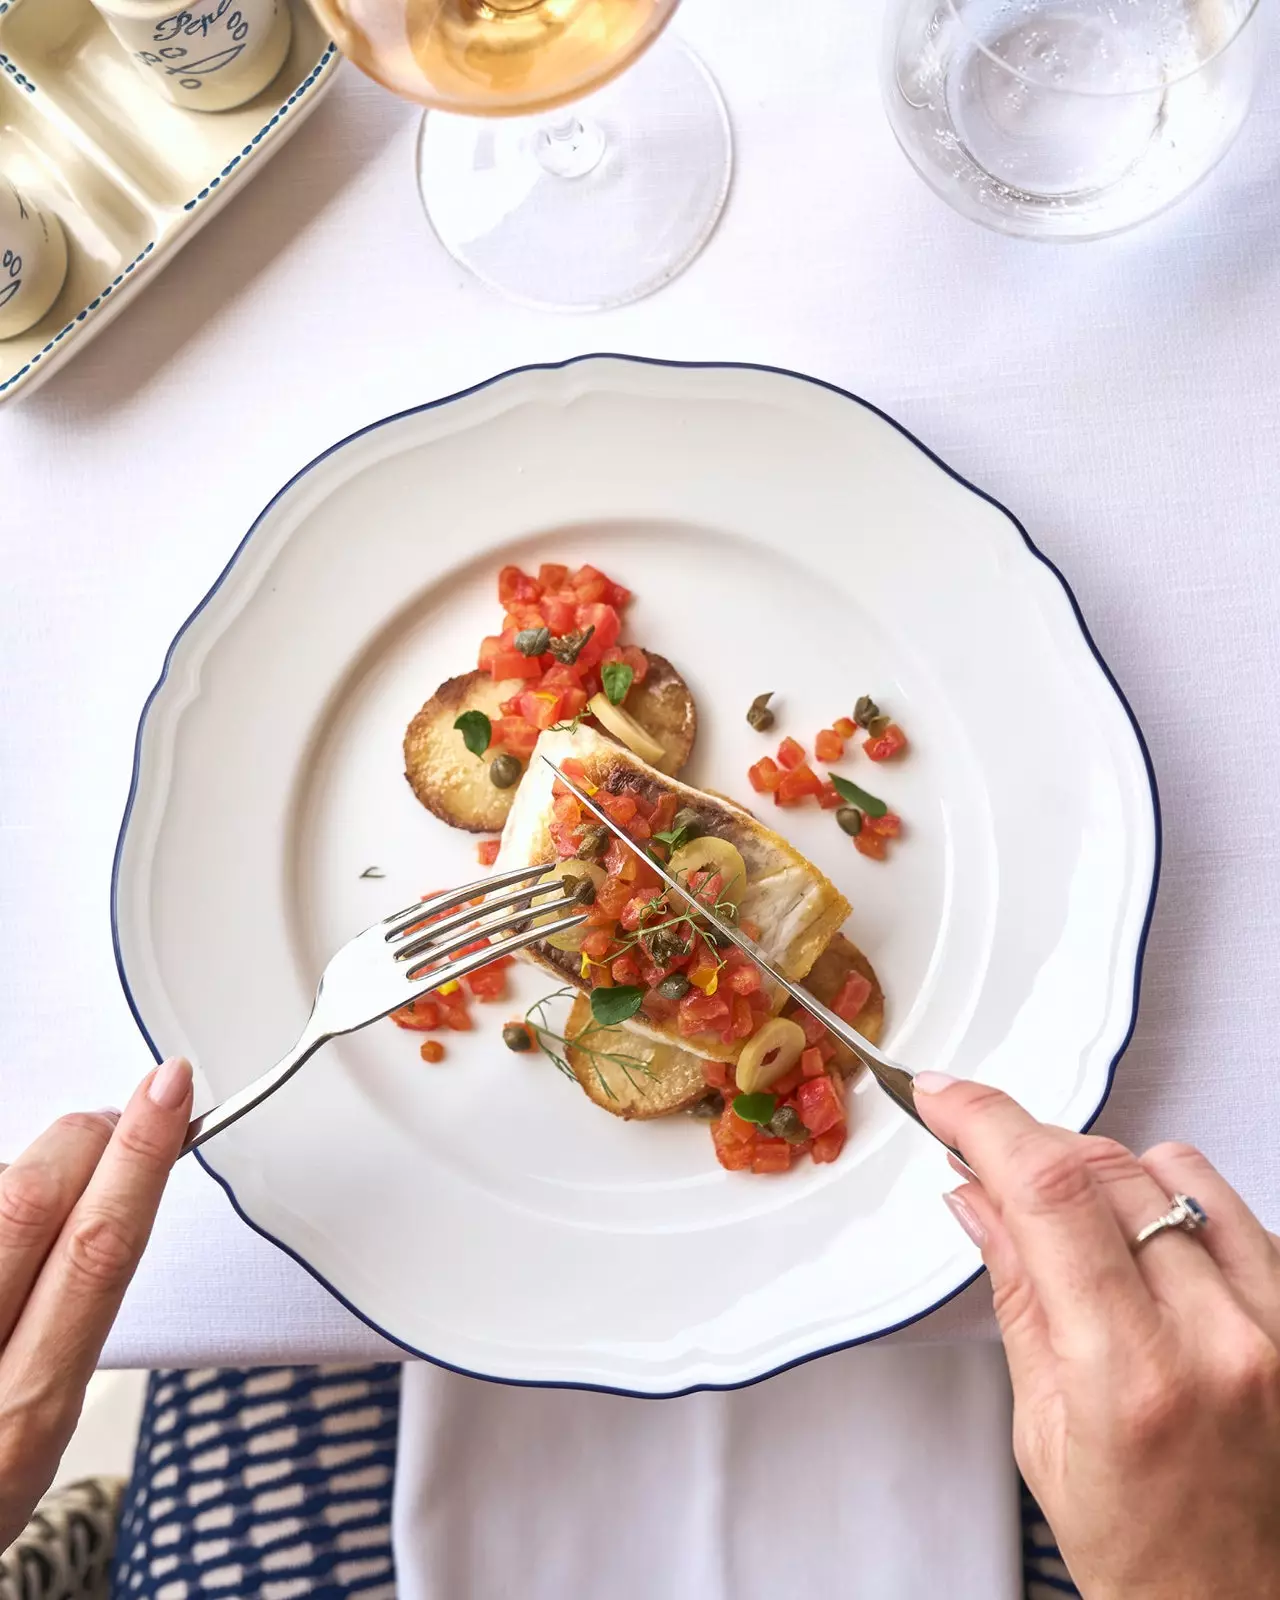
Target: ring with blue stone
[1184, 1213]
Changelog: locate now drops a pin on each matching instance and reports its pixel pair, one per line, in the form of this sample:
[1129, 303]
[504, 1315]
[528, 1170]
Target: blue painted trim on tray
[331, 50]
[462, 394]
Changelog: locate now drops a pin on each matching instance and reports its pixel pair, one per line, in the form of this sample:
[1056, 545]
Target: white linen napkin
[883, 1473]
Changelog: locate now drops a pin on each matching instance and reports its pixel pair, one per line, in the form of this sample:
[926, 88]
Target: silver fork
[396, 961]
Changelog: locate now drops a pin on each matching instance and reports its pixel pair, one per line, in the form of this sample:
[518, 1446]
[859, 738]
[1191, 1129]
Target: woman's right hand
[1146, 1386]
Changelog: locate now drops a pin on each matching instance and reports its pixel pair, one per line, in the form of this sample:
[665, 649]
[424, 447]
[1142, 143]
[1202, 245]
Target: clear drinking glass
[1067, 119]
[573, 206]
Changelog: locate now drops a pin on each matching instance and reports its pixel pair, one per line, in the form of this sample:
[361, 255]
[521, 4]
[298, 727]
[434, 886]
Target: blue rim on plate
[559, 366]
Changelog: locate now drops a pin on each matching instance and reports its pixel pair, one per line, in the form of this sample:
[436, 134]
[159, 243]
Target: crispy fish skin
[797, 909]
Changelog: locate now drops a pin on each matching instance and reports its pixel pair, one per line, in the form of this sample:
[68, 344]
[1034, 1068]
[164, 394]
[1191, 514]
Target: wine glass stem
[567, 147]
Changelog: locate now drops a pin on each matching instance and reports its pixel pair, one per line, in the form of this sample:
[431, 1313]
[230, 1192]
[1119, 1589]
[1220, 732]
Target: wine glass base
[592, 206]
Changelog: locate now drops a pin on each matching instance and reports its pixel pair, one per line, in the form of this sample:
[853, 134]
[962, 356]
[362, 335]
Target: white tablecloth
[1121, 397]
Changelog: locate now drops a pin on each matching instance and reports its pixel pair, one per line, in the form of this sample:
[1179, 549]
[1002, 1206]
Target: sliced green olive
[622, 725]
[712, 855]
[504, 770]
[850, 819]
[517, 1037]
[769, 1055]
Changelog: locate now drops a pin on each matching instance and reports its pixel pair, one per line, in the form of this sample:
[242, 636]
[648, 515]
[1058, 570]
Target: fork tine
[470, 916]
[428, 948]
[400, 921]
[479, 958]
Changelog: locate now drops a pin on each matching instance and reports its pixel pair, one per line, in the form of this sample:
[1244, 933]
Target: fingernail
[967, 1217]
[170, 1084]
[931, 1082]
[111, 1113]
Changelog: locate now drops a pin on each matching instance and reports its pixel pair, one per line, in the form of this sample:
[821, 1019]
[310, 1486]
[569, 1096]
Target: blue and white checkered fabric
[273, 1484]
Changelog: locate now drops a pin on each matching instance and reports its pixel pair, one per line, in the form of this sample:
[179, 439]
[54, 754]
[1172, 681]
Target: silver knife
[892, 1078]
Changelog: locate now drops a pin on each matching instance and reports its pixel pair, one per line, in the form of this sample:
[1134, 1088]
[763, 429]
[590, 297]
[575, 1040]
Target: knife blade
[892, 1078]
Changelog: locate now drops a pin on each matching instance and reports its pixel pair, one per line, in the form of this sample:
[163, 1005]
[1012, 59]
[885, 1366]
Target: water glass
[1067, 119]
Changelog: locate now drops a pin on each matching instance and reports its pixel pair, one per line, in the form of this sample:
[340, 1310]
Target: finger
[1067, 1236]
[1018, 1311]
[1244, 1251]
[37, 1193]
[1178, 1272]
[60, 1333]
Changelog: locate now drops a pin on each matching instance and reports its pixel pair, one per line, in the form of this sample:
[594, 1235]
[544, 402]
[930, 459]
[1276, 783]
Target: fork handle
[237, 1105]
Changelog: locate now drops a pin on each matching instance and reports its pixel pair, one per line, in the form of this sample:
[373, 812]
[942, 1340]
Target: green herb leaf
[612, 1006]
[677, 838]
[757, 1108]
[859, 797]
[616, 677]
[476, 731]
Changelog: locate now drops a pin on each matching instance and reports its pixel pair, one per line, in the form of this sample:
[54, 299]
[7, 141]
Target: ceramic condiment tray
[130, 175]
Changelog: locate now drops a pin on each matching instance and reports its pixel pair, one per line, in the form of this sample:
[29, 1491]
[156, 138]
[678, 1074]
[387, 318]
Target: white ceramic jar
[33, 260]
[209, 58]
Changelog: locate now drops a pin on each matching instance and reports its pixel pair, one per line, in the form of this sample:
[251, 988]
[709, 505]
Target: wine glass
[570, 206]
[1067, 119]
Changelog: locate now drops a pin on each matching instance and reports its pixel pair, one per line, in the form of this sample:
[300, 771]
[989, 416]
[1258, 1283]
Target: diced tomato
[561, 677]
[612, 897]
[887, 744]
[421, 1015]
[515, 735]
[516, 585]
[811, 1062]
[765, 776]
[431, 1050]
[830, 799]
[618, 597]
[790, 754]
[619, 862]
[846, 727]
[596, 944]
[827, 1146]
[854, 993]
[700, 1012]
[870, 844]
[718, 1074]
[812, 1029]
[664, 813]
[657, 1007]
[770, 1155]
[607, 624]
[888, 826]
[787, 1085]
[732, 1152]
[560, 614]
[632, 914]
[574, 770]
[487, 983]
[511, 707]
[589, 583]
[489, 648]
[744, 1019]
[566, 839]
[797, 785]
[819, 1104]
[551, 576]
[621, 807]
[826, 1048]
[511, 664]
[704, 970]
[519, 617]
[828, 746]
[487, 851]
[625, 969]
[542, 707]
[744, 980]
[565, 809]
[630, 656]
[456, 1015]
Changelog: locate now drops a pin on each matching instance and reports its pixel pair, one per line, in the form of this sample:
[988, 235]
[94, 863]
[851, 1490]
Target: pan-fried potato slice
[662, 1080]
[442, 772]
[455, 785]
[664, 708]
[824, 981]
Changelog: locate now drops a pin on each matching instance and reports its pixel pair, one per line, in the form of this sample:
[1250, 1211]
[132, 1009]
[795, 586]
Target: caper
[533, 641]
[865, 709]
[850, 819]
[595, 841]
[786, 1124]
[687, 824]
[675, 987]
[759, 715]
[709, 1107]
[876, 726]
[517, 1037]
[504, 770]
[568, 647]
[581, 888]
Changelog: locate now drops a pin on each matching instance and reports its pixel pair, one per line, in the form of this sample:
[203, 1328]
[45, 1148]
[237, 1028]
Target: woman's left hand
[76, 1210]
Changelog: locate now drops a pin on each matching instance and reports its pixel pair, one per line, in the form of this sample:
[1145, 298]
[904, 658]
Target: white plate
[778, 535]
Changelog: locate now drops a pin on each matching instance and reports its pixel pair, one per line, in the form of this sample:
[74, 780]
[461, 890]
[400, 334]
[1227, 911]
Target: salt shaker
[33, 260]
[209, 58]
